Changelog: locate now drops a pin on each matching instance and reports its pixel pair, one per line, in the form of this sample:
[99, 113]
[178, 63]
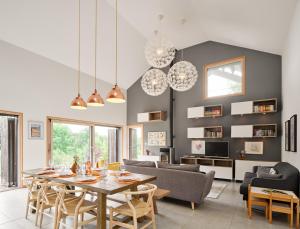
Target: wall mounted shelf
[153, 116]
[205, 111]
[254, 131]
[263, 106]
[205, 132]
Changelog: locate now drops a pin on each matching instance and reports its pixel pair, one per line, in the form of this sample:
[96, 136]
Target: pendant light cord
[96, 32]
[116, 21]
[78, 47]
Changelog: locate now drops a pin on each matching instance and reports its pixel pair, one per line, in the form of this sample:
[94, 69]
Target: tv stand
[222, 166]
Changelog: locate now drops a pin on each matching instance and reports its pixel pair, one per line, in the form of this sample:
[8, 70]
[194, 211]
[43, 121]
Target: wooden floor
[226, 212]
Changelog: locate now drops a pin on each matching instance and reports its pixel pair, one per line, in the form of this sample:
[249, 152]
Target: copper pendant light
[78, 103]
[116, 95]
[95, 100]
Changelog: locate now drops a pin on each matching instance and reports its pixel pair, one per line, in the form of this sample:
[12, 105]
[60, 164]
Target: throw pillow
[273, 171]
[139, 163]
[262, 170]
[190, 168]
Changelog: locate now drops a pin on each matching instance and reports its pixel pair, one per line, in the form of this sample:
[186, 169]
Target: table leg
[101, 210]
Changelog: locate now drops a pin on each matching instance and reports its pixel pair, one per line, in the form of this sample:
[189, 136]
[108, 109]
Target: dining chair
[254, 201]
[116, 166]
[282, 203]
[32, 185]
[46, 201]
[136, 206]
[74, 208]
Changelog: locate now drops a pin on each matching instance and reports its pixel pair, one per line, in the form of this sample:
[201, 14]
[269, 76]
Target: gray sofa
[184, 185]
[289, 179]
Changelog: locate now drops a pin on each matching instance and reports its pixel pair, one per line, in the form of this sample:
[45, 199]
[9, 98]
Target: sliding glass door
[90, 142]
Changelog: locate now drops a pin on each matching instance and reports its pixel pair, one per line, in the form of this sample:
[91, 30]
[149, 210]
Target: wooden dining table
[105, 186]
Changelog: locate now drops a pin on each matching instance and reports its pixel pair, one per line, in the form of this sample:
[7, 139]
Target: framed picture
[287, 138]
[293, 133]
[198, 147]
[254, 147]
[156, 138]
[35, 130]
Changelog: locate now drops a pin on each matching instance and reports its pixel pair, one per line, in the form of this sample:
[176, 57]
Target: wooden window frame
[241, 59]
[50, 120]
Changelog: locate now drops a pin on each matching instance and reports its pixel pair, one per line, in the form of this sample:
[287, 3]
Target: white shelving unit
[254, 131]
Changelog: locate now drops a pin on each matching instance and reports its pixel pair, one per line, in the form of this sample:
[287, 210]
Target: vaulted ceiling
[48, 28]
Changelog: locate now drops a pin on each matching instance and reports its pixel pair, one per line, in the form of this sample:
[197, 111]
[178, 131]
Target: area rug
[217, 189]
[5, 188]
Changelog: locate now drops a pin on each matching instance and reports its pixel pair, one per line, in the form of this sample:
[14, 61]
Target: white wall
[291, 83]
[39, 87]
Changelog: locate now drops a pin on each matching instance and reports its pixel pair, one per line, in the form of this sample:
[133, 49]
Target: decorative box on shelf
[254, 107]
[254, 131]
[205, 111]
[205, 132]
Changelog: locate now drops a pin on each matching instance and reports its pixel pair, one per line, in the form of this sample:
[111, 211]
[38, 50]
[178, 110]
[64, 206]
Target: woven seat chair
[139, 204]
[47, 199]
[32, 185]
[74, 208]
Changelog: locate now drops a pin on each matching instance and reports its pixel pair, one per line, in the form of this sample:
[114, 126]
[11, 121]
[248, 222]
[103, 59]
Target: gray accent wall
[263, 80]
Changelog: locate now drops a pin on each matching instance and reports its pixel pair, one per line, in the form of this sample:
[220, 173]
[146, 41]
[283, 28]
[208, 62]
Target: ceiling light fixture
[159, 52]
[95, 99]
[116, 95]
[78, 103]
[183, 75]
[154, 82]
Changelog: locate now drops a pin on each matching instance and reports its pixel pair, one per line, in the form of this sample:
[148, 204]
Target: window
[135, 141]
[90, 142]
[225, 78]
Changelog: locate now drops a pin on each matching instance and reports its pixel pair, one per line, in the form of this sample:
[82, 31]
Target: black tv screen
[217, 149]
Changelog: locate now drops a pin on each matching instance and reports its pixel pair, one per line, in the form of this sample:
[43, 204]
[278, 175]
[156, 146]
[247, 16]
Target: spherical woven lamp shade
[95, 100]
[154, 82]
[78, 103]
[115, 95]
[159, 52]
[182, 76]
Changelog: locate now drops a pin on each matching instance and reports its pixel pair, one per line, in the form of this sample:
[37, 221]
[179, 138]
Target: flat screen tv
[217, 149]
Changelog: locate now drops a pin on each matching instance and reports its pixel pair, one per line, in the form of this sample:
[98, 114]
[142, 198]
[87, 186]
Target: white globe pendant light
[159, 52]
[154, 82]
[182, 76]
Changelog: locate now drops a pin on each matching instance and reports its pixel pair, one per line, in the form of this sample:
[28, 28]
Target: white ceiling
[256, 24]
[47, 28]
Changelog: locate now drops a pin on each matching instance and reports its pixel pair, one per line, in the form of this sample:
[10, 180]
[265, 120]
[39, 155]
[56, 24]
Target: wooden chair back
[146, 190]
[61, 199]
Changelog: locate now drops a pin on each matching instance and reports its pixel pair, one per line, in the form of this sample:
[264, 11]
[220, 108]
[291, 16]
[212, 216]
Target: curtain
[12, 128]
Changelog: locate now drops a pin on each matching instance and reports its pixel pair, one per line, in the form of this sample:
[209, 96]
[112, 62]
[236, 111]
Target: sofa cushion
[139, 163]
[190, 168]
[268, 172]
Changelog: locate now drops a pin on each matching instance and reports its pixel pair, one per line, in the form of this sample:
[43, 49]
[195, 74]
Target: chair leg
[153, 219]
[291, 219]
[37, 212]
[57, 223]
[27, 206]
[75, 222]
[135, 225]
[267, 212]
[111, 218]
[41, 216]
[82, 219]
